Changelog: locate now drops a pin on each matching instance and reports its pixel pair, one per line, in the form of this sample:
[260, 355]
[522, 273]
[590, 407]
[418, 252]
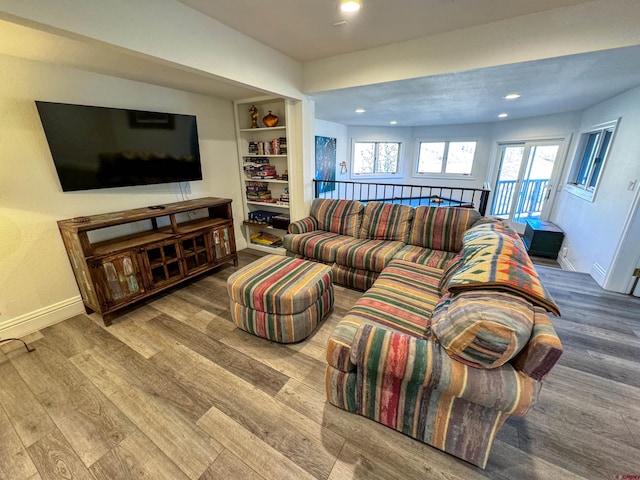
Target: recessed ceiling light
[512, 96]
[393, 122]
[360, 110]
[350, 5]
[503, 115]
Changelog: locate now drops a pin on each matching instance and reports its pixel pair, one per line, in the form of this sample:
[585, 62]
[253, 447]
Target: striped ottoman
[280, 298]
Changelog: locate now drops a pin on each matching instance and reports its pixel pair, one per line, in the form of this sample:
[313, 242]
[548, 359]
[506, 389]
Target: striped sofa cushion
[483, 329]
[282, 285]
[425, 256]
[317, 245]
[386, 221]
[353, 277]
[441, 228]
[338, 216]
[372, 255]
[402, 298]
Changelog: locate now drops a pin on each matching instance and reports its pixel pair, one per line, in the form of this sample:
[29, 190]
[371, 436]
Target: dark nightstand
[542, 239]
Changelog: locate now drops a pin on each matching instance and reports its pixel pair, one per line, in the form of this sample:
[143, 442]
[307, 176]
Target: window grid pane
[375, 158]
[597, 164]
[431, 157]
[364, 157]
[460, 157]
[387, 159]
[587, 158]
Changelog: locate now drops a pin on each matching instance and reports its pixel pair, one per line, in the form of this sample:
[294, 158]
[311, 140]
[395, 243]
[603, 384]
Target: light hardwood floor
[172, 390]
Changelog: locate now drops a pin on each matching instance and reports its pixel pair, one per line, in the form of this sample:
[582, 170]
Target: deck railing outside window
[413, 195]
[530, 200]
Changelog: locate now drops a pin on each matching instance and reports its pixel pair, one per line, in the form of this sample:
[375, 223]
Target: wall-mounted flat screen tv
[98, 147]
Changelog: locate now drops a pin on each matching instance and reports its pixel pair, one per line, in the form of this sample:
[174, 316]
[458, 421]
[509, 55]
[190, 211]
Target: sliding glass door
[525, 181]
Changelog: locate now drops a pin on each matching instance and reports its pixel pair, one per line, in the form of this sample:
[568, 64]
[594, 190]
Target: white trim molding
[41, 318]
[565, 264]
[599, 273]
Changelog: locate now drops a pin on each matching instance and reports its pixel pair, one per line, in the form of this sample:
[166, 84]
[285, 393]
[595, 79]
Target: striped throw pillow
[386, 221]
[483, 329]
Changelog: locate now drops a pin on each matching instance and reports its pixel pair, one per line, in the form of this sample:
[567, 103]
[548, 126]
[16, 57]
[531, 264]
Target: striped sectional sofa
[359, 241]
[453, 333]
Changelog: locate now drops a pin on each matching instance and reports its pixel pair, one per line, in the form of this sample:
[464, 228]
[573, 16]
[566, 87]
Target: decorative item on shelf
[270, 120]
[285, 175]
[343, 167]
[284, 197]
[254, 116]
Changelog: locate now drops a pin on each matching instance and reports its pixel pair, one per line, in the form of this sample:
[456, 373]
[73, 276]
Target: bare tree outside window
[446, 158]
[376, 158]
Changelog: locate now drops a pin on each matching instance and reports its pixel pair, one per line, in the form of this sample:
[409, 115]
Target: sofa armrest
[542, 351]
[307, 224]
[387, 357]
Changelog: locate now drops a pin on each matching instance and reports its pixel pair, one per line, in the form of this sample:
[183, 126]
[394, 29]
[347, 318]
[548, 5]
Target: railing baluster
[405, 194]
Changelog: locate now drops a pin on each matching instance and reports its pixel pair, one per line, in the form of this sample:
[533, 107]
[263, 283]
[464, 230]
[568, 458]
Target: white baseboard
[598, 273]
[41, 318]
[566, 264]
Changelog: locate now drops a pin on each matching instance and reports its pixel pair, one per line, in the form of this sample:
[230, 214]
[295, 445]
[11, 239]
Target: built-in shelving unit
[171, 244]
[265, 164]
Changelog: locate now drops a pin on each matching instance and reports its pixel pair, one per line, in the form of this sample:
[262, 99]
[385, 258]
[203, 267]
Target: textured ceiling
[561, 84]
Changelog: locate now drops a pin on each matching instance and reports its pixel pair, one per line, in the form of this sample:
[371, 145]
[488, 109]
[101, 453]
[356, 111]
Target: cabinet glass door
[196, 253]
[164, 263]
[223, 243]
[118, 278]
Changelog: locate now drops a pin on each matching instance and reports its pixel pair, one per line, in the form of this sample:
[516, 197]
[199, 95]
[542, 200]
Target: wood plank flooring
[172, 390]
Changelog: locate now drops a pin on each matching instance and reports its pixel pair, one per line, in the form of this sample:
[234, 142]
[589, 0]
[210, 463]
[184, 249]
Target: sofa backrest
[441, 228]
[338, 216]
[386, 221]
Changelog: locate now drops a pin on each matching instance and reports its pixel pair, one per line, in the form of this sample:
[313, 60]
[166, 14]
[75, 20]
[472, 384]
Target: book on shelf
[277, 146]
[264, 238]
[256, 160]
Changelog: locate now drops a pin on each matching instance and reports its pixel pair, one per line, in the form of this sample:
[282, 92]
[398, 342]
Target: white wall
[595, 229]
[36, 282]
[343, 145]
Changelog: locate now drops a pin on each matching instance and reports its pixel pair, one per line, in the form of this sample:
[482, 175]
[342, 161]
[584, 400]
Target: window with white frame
[591, 154]
[376, 158]
[446, 158]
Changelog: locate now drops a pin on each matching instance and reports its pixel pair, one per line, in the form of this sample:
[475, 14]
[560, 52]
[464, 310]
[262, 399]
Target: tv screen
[98, 147]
